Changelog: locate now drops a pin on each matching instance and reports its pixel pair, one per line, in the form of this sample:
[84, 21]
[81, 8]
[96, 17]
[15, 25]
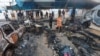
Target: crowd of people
[59, 20]
[38, 14]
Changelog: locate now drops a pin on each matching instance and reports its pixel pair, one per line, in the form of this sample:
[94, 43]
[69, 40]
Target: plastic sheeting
[34, 4]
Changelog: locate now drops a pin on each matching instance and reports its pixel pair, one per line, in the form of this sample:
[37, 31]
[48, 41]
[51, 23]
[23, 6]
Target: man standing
[13, 15]
[52, 14]
[46, 15]
[73, 15]
[41, 13]
[31, 15]
[50, 21]
[63, 13]
[59, 23]
[37, 14]
[20, 17]
[59, 12]
[6, 16]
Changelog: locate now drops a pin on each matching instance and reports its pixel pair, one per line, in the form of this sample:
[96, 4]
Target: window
[7, 29]
[98, 13]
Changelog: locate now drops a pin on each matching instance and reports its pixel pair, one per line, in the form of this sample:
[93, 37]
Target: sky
[6, 2]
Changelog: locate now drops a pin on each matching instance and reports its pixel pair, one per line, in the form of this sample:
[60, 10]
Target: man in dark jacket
[73, 15]
[6, 16]
[50, 20]
[41, 13]
[20, 17]
[59, 12]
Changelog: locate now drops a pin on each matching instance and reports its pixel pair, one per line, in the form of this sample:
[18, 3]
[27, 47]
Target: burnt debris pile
[55, 44]
[26, 46]
[86, 44]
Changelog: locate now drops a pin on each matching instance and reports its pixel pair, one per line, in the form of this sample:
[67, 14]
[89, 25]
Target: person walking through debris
[31, 15]
[52, 14]
[46, 15]
[59, 12]
[72, 15]
[50, 21]
[20, 17]
[59, 23]
[6, 16]
[63, 17]
[37, 14]
[63, 13]
[41, 13]
[13, 15]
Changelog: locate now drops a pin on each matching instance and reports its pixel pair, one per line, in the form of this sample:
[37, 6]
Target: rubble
[32, 44]
[55, 44]
[27, 46]
[86, 45]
